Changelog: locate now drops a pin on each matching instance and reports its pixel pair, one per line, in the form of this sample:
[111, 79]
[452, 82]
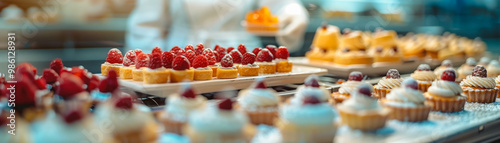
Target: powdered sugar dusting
[129, 58]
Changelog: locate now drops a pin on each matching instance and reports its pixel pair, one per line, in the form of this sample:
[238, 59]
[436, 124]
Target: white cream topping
[213, 120]
[251, 98]
[114, 64]
[179, 107]
[390, 83]
[474, 81]
[445, 88]
[265, 63]
[321, 93]
[317, 114]
[203, 68]
[423, 75]
[157, 69]
[123, 121]
[359, 102]
[250, 65]
[350, 87]
[405, 97]
[465, 70]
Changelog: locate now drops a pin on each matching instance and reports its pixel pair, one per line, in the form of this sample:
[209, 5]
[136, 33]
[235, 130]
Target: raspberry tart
[386, 84]
[128, 64]
[113, 61]
[350, 87]
[156, 73]
[282, 63]
[265, 62]
[227, 70]
[260, 103]
[141, 63]
[178, 108]
[236, 57]
[445, 95]
[212, 60]
[406, 103]
[424, 76]
[248, 66]
[201, 69]
[478, 87]
[181, 70]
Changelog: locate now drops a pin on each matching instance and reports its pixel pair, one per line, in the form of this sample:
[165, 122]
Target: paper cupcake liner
[416, 114]
[423, 86]
[300, 134]
[244, 136]
[445, 104]
[368, 121]
[481, 95]
[380, 93]
[262, 116]
[173, 126]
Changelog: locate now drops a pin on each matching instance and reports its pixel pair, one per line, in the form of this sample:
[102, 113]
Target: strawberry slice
[226, 105]
[190, 55]
[229, 49]
[272, 49]
[180, 63]
[157, 50]
[155, 61]
[227, 61]
[50, 76]
[200, 62]
[189, 47]
[69, 85]
[142, 60]
[166, 59]
[282, 53]
[248, 58]
[236, 56]
[242, 49]
[129, 58]
[56, 65]
[264, 56]
[257, 50]
[114, 56]
[199, 49]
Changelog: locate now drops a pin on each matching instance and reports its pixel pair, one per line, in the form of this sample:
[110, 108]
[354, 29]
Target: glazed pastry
[265, 62]
[406, 103]
[353, 50]
[384, 48]
[156, 73]
[433, 45]
[478, 87]
[326, 37]
[466, 69]
[212, 60]
[413, 48]
[178, 108]
[362, 112]
[493, 69]
[128, 64]
[313, 88]
[248, 66]
[348, 88]
[444, 65]
[113, 61]
[219, 124]
[424, 76]
[484, 61]
[181, 70]
[445, 95]
[476, 48]
[282, 63]
[386, 84]
[310, 121]
[227, 69]
[259, 103]
[201, 69]
[141, 63]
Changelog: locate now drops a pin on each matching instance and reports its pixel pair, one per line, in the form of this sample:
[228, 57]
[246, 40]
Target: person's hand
[294, 19]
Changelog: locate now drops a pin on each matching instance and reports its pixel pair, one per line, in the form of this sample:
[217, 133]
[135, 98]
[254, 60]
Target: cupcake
[387, 83]
[362, 112]
[497, 80]
[475, 48]
[178, 108]
[424, 77]
[406, 103]
[311, 87]
[445, 95]
[248, 66]
[141, 63]
[348, 88]
[478, 87]
[260, 103]
[311, 121]
[219, 123]
[466, 69]
[493, 69]
[484, 61]
[444, 65]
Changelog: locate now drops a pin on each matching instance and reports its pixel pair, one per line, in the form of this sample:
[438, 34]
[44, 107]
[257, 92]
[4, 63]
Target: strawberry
[312, 81]
[410, 83]
[221, 52]
[56, 65]
[282, 53]
[364, 89]
[137, 51]
[248, 58]
[393, 73]
[175, 50]
[142, 60]
[229, 49]
[236, 56]
[26, 67]
[199, 49]
[264, 56]
[272, 49]
[200, 61]
[227, 61]
[124, 102]
[310, 99]
[355, 76]
[189, 47]
[114, 56]
[166, 59]
[242, 49]
[110, 84]
[25, 91]
[257, 50]
[180, 63]
[129, 58]
[69, 85]
[155, 61]
[94, 83]
[424, 67]
[226, 104]
[479, 71]
[73, 116]
[190, 55]
[157, 50]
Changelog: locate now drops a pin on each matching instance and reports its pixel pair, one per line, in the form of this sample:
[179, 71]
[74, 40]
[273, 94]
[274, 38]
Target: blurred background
[80, 32]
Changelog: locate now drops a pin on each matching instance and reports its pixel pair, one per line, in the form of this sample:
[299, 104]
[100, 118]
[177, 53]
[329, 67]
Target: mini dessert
[493, 69]
[384, 48]
[476, 48]
[444, 65]
[227, 70]
[248, 66]
[199, 49]
[156, 73]
[311, 87]
[478, 87]
[353, 50]
[72, 92]
[180, 70]
[201, 69]
[220, 52]
[141, 63]
[445, 95]
[348, 88]
[424, 76]
[466, 69]
[57, 65]
[113, 61]
[484, 61]
[236, 55]
[259, 103]
[362, 112]
[325, 42]
[413, 48]
[282, 63]
[242, 49]
[212, 60]
[433, 45]
[219, 124]
[497, 80]
[311, 121]
[389, 82]
[262, 20]
[265, 62]
[272, 49]
[128, 65]
[178, 108]
[406, 103]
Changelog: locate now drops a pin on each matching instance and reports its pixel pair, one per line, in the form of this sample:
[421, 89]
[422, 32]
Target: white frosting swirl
[405, 97]
[350, 87]
[445, 88]
[212, 120]
[439, 70]
[317, 114]
[423, 76]
[390, 83]
[179, 107]
[321, 93]
[251, 98]
[359, 102]
[474, 81]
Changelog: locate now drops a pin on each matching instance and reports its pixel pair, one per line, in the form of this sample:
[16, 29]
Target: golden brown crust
[248, 71]
[203, 74]
[445, 104]
[284, 67]
[181, 75]
[227, 73]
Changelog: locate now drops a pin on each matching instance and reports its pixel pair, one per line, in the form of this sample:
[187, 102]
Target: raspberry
[200, 61]
[181, 52]
[156, 50]
[242, 49]
[365, 89]
[226, 104]
[248, 58]
[208, 52]
[73, 116]
[180, 63]
[26, 67]
[264, 56]
[190, 55]
[142, 60]
[41, 84]
[175, 50]
[236, 56]
[199, 49]
[282, 53]
[479, 71]
[217, 47]
[449, 75]
[447, 63]
[393, 73]
[355, 76]
[221, 52]
[310, 99]
[50, 76]
[155, 61]
[124, 102]
[424, 67]
[212, 60]
[189, 47]
[256, 50]
[82, 73]
[166, 59]
[138, 51]
[56, 65]
[312, 81]
[114, 56]
[272, 49]
[260, 84]
[410, 83]
[229, 49]
[69, 85]
[188, 92]
[25, 91]
[129, 58]
[227, 61]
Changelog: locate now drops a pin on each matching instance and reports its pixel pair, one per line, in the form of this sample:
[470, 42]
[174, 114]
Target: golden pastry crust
[267, 68]
[156, 76]
[445, 104]
[203, 74]
[327, 37]
[353, 60]
[126, 72]
[137, 74]
[214, 70]
[181, 75]
[248, 70]
[105, 69]
[223, 73]
[480, 95]
[366, 121]
[284, 67]
[339, 97]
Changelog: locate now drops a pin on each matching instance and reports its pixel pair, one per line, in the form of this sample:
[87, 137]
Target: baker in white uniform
[168, 23]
